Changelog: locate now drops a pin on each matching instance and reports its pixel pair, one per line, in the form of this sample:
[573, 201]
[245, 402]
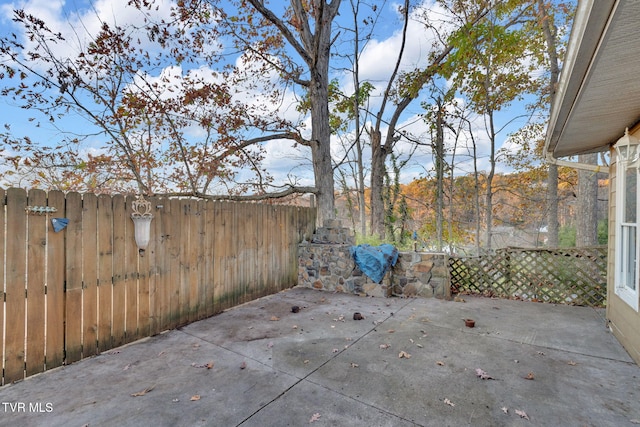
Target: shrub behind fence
[86, 289]
[575, 276]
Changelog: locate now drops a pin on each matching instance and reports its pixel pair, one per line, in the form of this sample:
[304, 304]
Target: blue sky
[282, 160]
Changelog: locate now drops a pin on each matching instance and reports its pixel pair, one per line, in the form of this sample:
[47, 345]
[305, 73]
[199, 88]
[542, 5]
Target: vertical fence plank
[73, 295]
[89, 275]
[201, 273]
[131, 255]
[119, 271]
[216, 263]
[175, 258]
[105, 271]
[251, 248]
[36, 276]
[207, 269]
[163, 285]
[15, 285]
[193, 256]
[222, 253]
[55, 286]
[154, 259]
[144, 279]
[185, 262]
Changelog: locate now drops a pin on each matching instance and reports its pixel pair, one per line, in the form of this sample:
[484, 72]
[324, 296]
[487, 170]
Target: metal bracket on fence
[40, 209]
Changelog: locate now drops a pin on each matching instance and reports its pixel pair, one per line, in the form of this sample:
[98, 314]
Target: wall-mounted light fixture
[142, 217]
[627, 148]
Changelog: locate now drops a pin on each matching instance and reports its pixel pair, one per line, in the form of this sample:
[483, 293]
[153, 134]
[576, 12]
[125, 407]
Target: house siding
[623, 321]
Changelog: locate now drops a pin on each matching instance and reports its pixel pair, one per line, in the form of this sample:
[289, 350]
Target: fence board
[105, 271]
[119, 272]
[89, 275]
[55, 286]
[131, 275]
[154, 256]
[144, 283]
[174, 309]
[207, 270]
[163, 291]
[73, 274]
[201, 268]
[193, 261]
[15, 285]
[36, 271]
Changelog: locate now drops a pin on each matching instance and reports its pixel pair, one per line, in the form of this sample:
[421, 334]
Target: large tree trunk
[321, 148]
[439, 149]
[587, 218]
[549, 30]
[378, 157]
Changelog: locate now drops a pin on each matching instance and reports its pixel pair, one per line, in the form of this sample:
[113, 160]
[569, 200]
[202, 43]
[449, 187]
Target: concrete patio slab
[407, 362]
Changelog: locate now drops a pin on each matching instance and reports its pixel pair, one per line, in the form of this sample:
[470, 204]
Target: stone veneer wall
[325, 263]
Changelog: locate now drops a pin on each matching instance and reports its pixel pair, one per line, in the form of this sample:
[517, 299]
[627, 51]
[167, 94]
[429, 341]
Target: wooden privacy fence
[575, 276]
[86, 289]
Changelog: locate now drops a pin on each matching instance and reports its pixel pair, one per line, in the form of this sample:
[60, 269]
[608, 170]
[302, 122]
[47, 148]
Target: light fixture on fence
[141, 217]
[627, 148]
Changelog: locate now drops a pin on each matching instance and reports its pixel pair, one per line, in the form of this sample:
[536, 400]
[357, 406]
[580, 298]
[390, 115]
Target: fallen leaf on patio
[195, 397]
[113, 352]
[161, 353]
[270, 345]
[419, 345]
[314, 417]
[404, 355]
[294, 327]
[505, 410]
[440, 363]
[274, 318]
[243, 365]
[634, 421]
[126, 367]
[195, 346]
[572, 363]
[335, 350]
[143, 392]
[390, 331]
[522, 414]
[483, 375]
[306, 361]
[206, 365]
[529, 376]
[448, 402]
[354, 365]
[411, 340]
[540, 353]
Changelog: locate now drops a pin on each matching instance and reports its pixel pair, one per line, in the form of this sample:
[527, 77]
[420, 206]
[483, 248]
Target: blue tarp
[375, 261]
